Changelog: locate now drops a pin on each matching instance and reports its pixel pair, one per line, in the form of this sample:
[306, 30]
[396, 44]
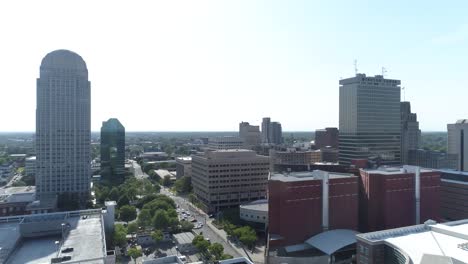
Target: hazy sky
[207, 65]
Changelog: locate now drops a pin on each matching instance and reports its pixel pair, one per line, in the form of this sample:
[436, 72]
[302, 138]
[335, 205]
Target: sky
[208, 65]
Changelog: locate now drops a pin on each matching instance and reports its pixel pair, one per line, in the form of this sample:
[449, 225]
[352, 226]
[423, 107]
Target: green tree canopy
[144, 218]
[119, 237]
[161, 220]
[157, 235]
[216, 250]
[132, 228]
[128, 213]
[201, 244]
[134, 253]
[166, 181]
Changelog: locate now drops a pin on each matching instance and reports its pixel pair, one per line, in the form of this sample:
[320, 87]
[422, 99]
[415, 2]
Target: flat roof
[184, 158]
[421, 241]
[308, 176]
[85, 236]
[184, 238]
[395, 170]
[258, 205]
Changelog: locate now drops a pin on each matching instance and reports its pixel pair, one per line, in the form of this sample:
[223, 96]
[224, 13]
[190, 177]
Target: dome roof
[63, 59]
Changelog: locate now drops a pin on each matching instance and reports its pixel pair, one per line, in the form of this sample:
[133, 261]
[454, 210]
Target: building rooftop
[184, 158]
[259, 205]
[32, 239]
[18, 194]
[31, 158]
[419, 242]
[308, 176]
[184, 238]
[395, 170]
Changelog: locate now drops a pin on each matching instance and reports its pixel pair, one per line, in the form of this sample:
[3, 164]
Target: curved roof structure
[63, 59]
[331, 241]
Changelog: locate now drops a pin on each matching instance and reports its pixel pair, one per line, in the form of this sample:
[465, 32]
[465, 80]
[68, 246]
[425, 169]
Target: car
[210, 216]
[66, 250]
[183, 258]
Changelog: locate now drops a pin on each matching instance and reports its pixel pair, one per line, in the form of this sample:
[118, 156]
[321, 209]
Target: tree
[167, 180]
[216, 250]
[132, 228]
[134, 253]
[161, 220]
[114, 194]
[201, 244]
[183, 185]
[120, 234]
[123, 201]
[229, 228]
[128, 213]
[246, 235]
[186, 226]
[144, 218]
[157, 235]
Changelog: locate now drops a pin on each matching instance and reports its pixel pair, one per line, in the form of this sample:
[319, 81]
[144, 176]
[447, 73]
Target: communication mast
[355, 67]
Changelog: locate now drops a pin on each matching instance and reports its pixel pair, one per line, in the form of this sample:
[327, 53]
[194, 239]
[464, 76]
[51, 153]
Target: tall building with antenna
[410, 132]
[369, 120]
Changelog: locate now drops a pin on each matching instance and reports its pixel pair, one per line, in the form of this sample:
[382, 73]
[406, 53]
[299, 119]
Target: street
[206, 231]
[139, 174]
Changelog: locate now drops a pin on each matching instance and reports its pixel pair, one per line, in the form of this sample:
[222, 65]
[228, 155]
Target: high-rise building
[272, 132]
[63, 132]
[457, 142]
[410, 133]
[228, 178]
[113, 150]
[266, 130]
[249, 134]
[276, 133]
[327, 137]
[370, 122]
[183, 167]
[432, 159]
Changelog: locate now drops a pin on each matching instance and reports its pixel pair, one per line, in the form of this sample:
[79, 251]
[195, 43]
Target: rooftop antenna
[355, 67]
[403, 89]
[384, 71]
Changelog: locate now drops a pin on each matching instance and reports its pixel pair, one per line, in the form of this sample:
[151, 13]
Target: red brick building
[387, 197]
[295, 205]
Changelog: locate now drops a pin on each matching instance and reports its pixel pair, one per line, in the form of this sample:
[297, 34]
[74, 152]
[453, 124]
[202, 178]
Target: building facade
[249, 134]
[228, 178]
[183, 167]
[457, 142]
[410, 132]
[297, 209]
[292, 158]
[30, 166]
[388, 197]
[266, 123]
[327, 137]
[453, 193]
[226, 142]
[432, 159]
[63, 130]
[113, 150]
[370, 122]
[272, 132]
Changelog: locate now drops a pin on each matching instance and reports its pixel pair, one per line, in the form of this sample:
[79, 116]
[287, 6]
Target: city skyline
[171, 58]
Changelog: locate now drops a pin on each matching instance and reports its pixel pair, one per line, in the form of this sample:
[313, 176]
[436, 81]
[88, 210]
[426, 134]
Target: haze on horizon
[208, 65]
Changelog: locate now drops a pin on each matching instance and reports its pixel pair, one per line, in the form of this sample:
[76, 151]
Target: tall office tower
[113, 150]
[249, 134]
[266, 130]
[229, 177]
[370, 120]
[276, 133]
[63, 132]
[327, 137]
[457, 142]
[410, 133]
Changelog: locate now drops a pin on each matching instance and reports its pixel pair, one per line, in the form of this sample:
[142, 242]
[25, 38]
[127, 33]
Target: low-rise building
[145, 239]
[256, 211]
[65, 237]
[154, 156]
[304, 204]
[228, 178]
[184, 167]
[453, 194]
[393, 197]
[425, 243]
[184, 241]
[22, 201]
